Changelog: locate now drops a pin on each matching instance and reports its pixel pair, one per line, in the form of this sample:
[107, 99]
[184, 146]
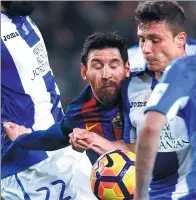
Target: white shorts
[64, 175]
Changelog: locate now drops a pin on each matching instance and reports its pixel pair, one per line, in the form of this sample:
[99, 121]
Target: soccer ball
[113, 176]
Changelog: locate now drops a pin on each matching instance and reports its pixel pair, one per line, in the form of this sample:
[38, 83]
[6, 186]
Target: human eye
[97, 66]
[155, 40]
[141, 40]
[115, 64]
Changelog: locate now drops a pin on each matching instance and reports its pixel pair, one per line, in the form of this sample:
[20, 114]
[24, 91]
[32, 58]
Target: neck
[158, 75]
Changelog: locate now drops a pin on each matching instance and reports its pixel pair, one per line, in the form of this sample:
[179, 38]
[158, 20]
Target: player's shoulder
[5, 18]
[78, 102]
[186, 63]
[181, 67]
[191, 41]
[136, 59]
[136, 85]
[190, 46]
[7, 26]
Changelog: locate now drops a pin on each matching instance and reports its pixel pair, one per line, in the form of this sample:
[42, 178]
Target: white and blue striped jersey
[29, 94]
[176, 95]
[174, 156]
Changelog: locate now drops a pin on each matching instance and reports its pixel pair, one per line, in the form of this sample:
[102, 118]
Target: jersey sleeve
[51, 139]
[136, 59]
[129, 132]
[174, 89]
[69, 121]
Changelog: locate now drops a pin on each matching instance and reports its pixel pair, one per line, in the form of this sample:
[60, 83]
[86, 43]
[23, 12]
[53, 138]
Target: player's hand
[13, 131]
[81, 139]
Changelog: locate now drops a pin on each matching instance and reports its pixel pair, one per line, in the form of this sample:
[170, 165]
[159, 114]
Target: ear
[127, 69]
[83, 71]
[180, 39]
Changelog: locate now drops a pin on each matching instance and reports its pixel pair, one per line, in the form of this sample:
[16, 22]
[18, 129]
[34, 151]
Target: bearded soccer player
[96, 111]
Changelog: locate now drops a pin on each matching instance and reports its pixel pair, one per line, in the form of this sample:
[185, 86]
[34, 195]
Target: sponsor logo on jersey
[10, 36]
[90, 127]
[117, 121]
[25, 29]
[138, 104]
[170, 140]
[42, 61]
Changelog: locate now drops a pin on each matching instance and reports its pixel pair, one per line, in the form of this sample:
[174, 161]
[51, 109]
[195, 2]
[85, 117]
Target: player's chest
[173, 137]
[107, 121]
[27, 51]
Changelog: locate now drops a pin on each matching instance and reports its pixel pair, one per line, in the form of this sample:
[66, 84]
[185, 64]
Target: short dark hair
[18, 8]
[157, 11]
[100, 40]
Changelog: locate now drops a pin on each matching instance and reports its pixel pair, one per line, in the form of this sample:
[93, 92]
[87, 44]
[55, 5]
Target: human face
[105, 72]
[158, 45]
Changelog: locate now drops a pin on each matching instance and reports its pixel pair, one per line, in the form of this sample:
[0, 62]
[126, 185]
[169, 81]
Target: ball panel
[118, 191]
[131, 155]
[129, 179]
[113, 176]
[93, 181]
[109, 194]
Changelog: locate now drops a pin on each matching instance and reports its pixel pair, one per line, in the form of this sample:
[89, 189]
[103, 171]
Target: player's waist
[18, 160]
[168, 182]
[167, 188]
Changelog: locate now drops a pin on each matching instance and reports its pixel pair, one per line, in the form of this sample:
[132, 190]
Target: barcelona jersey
[85, 111]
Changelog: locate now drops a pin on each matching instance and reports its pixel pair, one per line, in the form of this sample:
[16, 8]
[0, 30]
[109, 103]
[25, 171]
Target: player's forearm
[102, 145]
[146, 149]
[51, 139]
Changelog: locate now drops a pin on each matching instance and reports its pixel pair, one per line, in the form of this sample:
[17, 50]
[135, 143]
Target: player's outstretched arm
[146, 149]
[82, 140]
[51, 139]
[102, 145]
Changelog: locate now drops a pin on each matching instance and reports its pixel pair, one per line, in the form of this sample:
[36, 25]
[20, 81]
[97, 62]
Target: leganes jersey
[174, 156]
[29, 94]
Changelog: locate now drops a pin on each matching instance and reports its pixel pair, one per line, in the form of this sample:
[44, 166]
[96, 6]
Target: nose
[106, 72]
[147, 47]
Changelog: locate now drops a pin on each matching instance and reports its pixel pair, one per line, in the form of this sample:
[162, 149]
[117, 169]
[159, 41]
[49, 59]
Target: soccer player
[97, 109]
[174, 95]
[30, 97]
[162, 39]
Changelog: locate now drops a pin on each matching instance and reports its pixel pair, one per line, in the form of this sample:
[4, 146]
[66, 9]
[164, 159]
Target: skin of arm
[82, 140]
[146, 149]
[102, 145]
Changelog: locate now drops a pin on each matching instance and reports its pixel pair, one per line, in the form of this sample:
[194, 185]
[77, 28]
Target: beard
[18, 8]
[109, 93]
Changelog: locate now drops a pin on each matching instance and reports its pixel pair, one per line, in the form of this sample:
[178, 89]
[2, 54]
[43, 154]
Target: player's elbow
[149, 130]
[153, 124]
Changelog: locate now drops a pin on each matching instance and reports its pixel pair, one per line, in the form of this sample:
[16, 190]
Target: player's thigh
[49, 179]
[10, 190]
[81, 178]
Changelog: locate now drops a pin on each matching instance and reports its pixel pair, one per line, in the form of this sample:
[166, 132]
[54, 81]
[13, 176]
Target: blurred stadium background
[65, 25]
